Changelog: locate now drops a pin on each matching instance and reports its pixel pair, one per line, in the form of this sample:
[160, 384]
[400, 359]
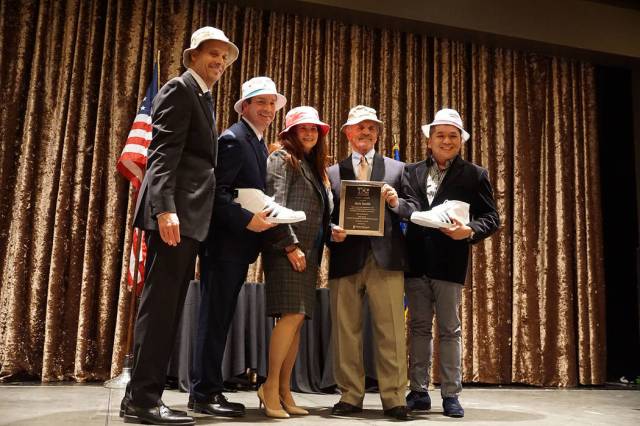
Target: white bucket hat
[447, 116]
[209, 33]
[361, 113]
[258, 86]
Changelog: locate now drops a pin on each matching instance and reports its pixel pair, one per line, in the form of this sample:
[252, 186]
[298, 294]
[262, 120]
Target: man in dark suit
[374, 266]
[234, 241]
[438, 256]
[174, 207]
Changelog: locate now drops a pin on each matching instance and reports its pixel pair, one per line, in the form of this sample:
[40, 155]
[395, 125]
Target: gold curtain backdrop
[73, 73]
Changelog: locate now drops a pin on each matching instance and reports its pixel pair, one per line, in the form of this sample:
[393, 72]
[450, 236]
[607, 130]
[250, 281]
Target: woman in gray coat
[297, 179]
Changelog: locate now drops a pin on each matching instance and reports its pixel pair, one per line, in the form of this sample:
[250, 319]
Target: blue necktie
[265, 151]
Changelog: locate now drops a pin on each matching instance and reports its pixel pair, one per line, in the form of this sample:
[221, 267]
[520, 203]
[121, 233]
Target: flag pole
[158, 62]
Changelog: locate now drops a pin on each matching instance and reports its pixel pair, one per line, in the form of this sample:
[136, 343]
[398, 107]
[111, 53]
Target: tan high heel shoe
[275, 413]
[294, 409]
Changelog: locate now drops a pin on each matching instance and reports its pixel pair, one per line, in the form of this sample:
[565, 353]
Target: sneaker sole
[431, 224]
[278, 220]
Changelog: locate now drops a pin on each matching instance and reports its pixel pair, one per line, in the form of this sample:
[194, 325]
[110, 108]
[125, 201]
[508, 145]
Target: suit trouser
[385, 290]
[221, 281]
[424, 295]
[168, 271]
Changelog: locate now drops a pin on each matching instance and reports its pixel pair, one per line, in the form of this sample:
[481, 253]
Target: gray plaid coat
[288, 291]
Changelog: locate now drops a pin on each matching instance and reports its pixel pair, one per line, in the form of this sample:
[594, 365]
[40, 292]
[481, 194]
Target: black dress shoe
[418, 401]
[217, 405]
[451, 407]
[159, 415]
[213, 398]
[344, 409]
[123, 405]
[125, 401]
[401, 412]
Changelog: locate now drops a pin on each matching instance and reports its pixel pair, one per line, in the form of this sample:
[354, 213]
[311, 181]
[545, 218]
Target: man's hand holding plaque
[390, 195]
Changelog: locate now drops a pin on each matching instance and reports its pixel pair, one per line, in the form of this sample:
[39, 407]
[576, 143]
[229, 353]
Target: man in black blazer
[438, 257]
[234, 241]
[374, 266]
[174, 207]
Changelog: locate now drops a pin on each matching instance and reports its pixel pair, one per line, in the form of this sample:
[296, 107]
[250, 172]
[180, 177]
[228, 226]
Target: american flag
[138, 237]
[132, 165]
[396, 150]
[133, 159]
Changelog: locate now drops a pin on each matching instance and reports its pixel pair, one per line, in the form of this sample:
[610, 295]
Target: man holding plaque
[368, 256]
[458, 210]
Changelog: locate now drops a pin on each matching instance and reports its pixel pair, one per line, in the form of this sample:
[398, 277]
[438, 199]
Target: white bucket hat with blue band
[258, 86]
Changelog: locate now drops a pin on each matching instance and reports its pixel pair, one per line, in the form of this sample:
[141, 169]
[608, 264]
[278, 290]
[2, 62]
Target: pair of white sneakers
[256, 201]
[442, 215]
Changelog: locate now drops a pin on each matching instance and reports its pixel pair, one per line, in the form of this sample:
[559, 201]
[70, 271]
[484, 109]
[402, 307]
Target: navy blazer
[433, 253]
[242, 161]
[182, 157]
[349, 256]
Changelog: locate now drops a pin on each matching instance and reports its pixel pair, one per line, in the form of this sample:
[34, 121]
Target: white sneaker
[441, 216]
[255, 201]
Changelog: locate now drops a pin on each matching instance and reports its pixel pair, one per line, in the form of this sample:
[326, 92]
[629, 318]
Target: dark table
[248, 342]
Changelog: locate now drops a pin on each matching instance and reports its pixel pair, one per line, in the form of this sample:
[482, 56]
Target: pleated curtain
[73, 73]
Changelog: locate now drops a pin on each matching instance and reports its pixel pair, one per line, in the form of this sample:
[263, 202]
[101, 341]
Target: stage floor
[73, 404]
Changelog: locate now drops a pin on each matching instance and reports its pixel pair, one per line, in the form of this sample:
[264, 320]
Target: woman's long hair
[317, 156]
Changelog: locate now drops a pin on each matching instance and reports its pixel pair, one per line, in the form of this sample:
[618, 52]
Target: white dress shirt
[200, 81]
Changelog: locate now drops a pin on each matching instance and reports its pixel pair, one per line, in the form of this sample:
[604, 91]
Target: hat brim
[360, 120]
[281, 101]
[324, 127]
[231, 56]
[427, 127]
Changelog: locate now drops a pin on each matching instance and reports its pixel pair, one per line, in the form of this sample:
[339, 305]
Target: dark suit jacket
[433, 253]
[349, 256]
[182, 157]
[242, 161]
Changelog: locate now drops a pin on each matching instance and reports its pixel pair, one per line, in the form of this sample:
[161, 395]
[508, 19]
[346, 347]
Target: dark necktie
[209, 102]
[265, 151]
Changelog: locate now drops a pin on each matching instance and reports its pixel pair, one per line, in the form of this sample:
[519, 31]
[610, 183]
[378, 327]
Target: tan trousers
[385, 290]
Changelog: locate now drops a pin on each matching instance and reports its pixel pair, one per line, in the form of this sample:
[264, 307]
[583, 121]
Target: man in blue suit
[234, 241]
[174, 207]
